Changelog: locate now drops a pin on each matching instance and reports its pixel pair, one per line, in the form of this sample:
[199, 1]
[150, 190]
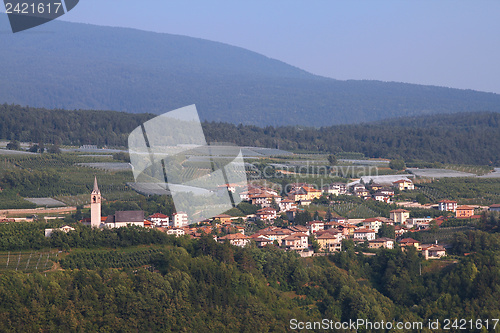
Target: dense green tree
[397, 165]
[332, 160]
[14, 145]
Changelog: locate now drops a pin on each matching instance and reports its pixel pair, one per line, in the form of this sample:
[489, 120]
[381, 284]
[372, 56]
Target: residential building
[494, 208]
[296, 241]
[266, 214]
[287, 204]
[399, 215]
[235, 239]
[364, 234]
[315, 226]
[399, 230]
[342, 188]
[373, 223]
[176, 231]
[384, 242]
[406, 242]
[433, 251]
[447, 205]
[331, 189]
[223, 218]
[376, 187]
[159, 219]
[417, 222]
[275, 234]
[179, 220]
[404, 184]
[66, 229]
[379, 196]
[311, 193]
[357, 187]
[261, 240]
[299, 228]
[298, 195]
[329, 240]
[362, 193]
[387, 191]
[464, 211]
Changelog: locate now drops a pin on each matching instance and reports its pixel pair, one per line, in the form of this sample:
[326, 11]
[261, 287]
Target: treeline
[102, 128]
[462, 138]
[31, 236]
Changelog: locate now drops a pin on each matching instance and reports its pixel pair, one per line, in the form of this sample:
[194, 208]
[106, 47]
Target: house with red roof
[235, 239]
[464, 212]
[266, 214]
[406, 242]
[364, 234]
[404, 184]
[329, 240]
[315, 226]
[159, 219]
[494, 208]
[399, 215]
[384, 242]
[433, 251]
[296, 241]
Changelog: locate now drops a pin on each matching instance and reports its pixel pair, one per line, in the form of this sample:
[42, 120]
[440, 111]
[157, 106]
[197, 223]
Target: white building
[176, 231]
[65, 229]
[159, 219]
[447, 205]
[179, 220]
[364, 234]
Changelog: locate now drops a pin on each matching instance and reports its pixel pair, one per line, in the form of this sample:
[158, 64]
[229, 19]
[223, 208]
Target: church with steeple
[95, 206]
[119, 219]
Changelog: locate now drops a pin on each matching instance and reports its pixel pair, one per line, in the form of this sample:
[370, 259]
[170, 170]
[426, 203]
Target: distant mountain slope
[79, 66]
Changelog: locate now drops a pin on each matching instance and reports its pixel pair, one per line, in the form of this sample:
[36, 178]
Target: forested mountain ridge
[81, 66]
[464, 138]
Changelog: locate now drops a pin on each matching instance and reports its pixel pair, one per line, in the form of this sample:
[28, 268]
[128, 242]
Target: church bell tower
[95, 206]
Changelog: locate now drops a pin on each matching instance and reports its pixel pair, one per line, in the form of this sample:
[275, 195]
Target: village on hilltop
[317, 237]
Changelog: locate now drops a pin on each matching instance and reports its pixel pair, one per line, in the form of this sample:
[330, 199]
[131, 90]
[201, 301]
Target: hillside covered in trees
[464, 138]
[135, 279]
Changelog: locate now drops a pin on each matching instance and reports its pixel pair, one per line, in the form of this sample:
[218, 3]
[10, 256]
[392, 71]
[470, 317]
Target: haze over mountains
[80, 66]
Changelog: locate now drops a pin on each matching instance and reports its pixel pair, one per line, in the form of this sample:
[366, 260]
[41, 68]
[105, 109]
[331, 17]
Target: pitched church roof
[126, 217]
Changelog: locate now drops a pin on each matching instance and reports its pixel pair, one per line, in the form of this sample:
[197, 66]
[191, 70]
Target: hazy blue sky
[454, 43]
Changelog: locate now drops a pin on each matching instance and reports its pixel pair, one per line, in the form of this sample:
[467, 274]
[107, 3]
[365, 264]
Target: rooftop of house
[158, 216]
[400, 210]
[362, 231]
[402, 181]
[382, 240]
[408, 241]
[234, 236]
